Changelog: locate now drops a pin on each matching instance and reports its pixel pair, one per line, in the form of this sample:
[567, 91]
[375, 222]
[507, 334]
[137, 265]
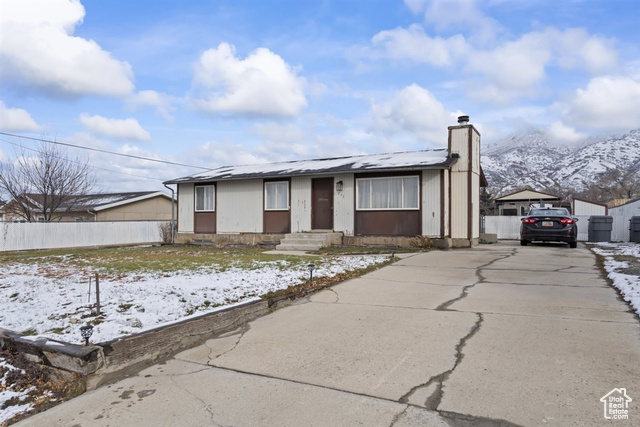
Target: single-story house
[128, 206]
[519, 203]
[431, 193]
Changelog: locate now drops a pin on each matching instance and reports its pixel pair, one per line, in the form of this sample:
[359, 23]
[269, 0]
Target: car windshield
[548, 212]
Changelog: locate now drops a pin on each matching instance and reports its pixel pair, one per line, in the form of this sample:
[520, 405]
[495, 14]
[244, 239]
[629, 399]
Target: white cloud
[414, 44]
[39, 50]
[519, 68]
[559, 132]
[457, 14]
[414, 111]
[229, 153]
[575, 48]
[608, 102]
[124, 129]
[14, 119]
[261, 84]
[161, 102]
[514, 66]
[416, 6]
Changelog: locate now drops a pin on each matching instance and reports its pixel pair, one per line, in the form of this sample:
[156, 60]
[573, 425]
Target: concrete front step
[298, 248]
[303, 241]
[309, 241]
[314, 236]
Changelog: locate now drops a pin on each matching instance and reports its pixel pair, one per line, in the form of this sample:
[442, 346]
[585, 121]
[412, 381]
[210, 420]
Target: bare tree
[615, 184]
[44, 184]
[486, 201]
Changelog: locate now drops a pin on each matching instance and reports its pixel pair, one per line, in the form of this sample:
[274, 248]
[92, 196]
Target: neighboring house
[431, 193]
[519, 203]
[587, 207]
[130, 206]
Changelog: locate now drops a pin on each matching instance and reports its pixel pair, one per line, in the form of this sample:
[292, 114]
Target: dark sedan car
[549, 225]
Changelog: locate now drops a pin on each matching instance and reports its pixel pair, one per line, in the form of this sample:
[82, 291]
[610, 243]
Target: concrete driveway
[495, 335]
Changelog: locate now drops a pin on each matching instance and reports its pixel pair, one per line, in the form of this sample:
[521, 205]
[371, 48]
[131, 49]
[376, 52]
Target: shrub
[165, 232]
[423, 242]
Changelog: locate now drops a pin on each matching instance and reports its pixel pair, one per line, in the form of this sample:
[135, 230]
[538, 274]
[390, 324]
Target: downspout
[173, 201]
[95, 215]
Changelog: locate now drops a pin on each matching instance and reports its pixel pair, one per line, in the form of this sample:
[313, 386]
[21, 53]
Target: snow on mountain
[528, 158]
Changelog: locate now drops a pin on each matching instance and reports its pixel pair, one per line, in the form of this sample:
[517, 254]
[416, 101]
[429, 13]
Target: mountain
[528, 158]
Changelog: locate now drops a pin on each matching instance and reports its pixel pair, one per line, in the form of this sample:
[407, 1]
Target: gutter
[95, 215]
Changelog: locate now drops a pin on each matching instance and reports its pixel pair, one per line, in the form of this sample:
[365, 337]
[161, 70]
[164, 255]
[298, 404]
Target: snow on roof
[370, 162]
[93, 201]
[82, 202]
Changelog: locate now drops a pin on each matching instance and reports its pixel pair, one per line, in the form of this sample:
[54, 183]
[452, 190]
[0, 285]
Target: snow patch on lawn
[628, 284]
[56, 305]
[7, 393]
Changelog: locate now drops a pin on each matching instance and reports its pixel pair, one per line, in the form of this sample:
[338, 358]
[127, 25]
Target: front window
[276, 196]
[388, 193]
[205, 198]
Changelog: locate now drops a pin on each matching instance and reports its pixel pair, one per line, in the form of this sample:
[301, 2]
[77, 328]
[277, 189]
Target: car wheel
[523, 243]
[573, 245]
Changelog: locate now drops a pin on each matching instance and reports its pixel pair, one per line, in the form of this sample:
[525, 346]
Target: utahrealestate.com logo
[616, 404]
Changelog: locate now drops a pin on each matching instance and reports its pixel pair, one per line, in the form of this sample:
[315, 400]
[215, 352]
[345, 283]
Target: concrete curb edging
[135, 352]
[110, 361]
[56, 354]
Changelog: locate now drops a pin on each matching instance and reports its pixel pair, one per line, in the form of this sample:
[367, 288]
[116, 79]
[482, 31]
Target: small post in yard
[97, 294]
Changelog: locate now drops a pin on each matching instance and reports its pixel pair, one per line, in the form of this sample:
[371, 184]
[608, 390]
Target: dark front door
[322, 204]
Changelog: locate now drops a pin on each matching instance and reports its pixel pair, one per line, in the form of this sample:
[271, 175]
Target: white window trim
[266, 202]
[195, 198]
[387, 209]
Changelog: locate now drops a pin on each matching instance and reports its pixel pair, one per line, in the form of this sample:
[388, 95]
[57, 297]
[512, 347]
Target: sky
[215, 83]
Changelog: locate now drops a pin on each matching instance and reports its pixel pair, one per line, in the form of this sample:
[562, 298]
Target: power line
[73, 161]
[104, 151]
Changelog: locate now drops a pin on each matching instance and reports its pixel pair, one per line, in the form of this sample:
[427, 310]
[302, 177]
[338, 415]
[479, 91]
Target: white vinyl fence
[508, 227]
[55, 235]
[621, 220]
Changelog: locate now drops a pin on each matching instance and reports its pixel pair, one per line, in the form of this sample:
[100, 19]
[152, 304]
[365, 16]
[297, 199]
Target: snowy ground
[622, 263]
[50, 299]
[55, 304]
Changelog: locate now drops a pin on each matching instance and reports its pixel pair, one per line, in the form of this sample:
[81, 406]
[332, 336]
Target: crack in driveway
[433, 401]
[445, 305]
[241, 332]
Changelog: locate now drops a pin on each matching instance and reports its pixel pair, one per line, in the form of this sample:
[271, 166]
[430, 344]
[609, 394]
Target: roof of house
[99, 201]
[426, 159]
[527, 195]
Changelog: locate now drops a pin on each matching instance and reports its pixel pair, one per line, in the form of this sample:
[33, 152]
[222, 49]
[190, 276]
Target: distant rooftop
[85, 202]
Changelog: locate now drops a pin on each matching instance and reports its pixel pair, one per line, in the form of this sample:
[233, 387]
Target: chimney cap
[463, 120]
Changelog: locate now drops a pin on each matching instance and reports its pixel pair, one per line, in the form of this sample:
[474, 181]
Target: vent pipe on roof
[463, 120]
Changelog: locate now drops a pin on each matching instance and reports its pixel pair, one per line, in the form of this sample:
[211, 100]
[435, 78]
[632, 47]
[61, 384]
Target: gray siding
[300, 204]
[240, 206]
[186, 207]
[431, 207]
[344, 205]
